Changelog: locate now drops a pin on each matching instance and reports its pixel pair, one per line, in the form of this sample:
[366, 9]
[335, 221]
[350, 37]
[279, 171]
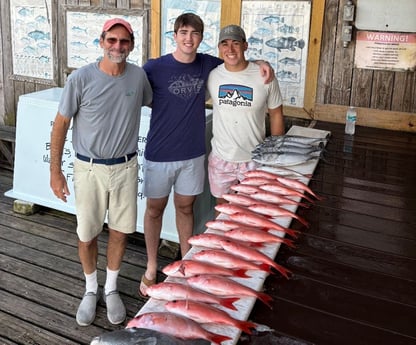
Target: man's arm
[57, 179]
[277, 122]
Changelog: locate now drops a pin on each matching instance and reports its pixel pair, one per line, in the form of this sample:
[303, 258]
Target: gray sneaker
[86, 310]
[116, 311]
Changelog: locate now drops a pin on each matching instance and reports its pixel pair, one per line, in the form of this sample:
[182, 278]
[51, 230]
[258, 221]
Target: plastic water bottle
[350, 119]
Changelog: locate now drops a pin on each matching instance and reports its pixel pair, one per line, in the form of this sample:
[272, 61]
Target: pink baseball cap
[111, 22]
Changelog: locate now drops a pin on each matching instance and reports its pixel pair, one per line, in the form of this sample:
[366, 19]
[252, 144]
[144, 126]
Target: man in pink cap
[104, 100]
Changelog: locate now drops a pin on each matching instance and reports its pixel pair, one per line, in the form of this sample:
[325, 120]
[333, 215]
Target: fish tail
[218, 338]
[288, 242]
[242, 273]
[302, 204]
[265, 298]
[247, 326]
[228, 302]
[303, 221]
[284, 271]
[292, 232]
[306, 197]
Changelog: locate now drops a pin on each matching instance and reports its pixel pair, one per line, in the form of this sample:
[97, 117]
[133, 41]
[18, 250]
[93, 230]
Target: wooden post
[155, 27]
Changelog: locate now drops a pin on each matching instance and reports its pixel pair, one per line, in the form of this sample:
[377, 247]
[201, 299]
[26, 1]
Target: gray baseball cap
[232, 32]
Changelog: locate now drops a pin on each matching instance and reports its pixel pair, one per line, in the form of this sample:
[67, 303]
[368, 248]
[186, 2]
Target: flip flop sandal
[144, 284]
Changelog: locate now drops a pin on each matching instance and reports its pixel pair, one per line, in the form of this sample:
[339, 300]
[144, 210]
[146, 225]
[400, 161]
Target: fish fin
[181, 269]
[265, 298]
[242, 273]
[289, 242]
[256, 245]
[228, 302]
[218, 338]
[291, 232]
[247, 326]
[265, 268]
[303, 221]
[304, 205]
[284, 271]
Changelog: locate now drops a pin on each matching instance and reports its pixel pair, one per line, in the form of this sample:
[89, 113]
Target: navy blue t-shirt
[177, 124]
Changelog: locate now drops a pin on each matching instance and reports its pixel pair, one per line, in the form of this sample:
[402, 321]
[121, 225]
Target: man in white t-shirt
[241, 101]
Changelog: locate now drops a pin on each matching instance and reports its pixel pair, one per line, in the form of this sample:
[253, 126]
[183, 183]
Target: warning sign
[385, 50]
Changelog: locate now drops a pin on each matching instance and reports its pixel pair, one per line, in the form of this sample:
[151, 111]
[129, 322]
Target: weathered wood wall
[384, 99]
[12, 87]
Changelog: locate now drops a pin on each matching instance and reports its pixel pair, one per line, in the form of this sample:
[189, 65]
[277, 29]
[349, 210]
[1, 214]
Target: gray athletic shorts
[186, 177]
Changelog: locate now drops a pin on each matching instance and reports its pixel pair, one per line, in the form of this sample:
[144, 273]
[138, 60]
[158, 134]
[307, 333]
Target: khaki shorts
[223, 174]
[105, 190]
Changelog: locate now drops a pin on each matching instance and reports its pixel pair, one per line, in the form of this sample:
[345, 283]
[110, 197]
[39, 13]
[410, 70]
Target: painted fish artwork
[289, 43]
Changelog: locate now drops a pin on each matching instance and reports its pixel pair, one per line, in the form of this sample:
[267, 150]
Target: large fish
[224, 286]
[210, 240]
[229, 208]
[268, 181]
[255, 235]
[264, 208]
[239, 199]
[281, 148]
[189, 268]
[277, 187]
[285, 171]
[222, 224]
[142, 336]
[276, 211]
[282, 159]
[229, 260]
[254, 255]
[269, 185]
[296, 138]
[204, 313]
[245, 188]
[275, 198]
[257, 180]
[261, 173]
[260, 221]
[175, 325]
[289, 182]
[170, 291]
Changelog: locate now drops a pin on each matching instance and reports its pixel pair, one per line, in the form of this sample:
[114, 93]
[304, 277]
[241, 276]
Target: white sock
[91, 284]
[111, 281]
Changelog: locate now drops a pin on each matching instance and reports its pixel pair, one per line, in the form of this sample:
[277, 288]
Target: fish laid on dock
[143, 336]
[288, 150]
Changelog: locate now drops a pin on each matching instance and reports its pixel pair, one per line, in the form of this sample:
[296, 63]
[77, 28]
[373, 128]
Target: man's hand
[266, 71]
[59, 185]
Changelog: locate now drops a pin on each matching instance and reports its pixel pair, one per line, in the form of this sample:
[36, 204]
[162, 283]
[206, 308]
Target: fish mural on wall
[278, 32]
[32, 38]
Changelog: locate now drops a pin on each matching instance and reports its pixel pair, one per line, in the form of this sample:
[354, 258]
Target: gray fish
[141, 336]
[282, 159]
[281, 149]
[295, 138]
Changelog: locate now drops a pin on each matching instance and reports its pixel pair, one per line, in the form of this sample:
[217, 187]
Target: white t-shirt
[240, 103]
